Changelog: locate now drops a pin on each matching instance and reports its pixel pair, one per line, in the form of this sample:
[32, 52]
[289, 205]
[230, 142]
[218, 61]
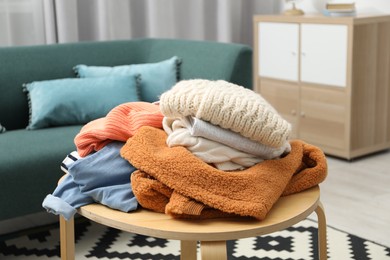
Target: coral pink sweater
[120, 124]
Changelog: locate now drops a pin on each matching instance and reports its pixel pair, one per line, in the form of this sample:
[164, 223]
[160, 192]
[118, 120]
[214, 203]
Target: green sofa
[30, 159]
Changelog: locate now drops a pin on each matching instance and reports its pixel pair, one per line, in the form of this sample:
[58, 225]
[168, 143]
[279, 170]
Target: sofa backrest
[24, 64]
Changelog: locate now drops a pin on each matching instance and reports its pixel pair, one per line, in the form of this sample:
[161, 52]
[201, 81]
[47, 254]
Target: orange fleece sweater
[120, 124]
[174, 181]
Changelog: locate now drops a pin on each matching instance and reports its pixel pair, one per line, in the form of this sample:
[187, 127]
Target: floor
[356, 196]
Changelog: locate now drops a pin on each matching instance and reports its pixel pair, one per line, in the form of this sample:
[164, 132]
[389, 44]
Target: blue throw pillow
[75, 101]
[156, 78]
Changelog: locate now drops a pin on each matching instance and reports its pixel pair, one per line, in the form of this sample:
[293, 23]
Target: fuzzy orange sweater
[174, 181]
[120, 124]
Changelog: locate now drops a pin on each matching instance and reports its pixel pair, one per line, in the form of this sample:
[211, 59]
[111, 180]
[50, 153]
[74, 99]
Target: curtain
[216, 20]
[26, 22]
[21, 22]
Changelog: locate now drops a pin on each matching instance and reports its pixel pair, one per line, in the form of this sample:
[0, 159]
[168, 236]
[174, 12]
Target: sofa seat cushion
[30, 166]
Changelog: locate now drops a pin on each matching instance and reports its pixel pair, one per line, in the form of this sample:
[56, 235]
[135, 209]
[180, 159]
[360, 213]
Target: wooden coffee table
[212, 233]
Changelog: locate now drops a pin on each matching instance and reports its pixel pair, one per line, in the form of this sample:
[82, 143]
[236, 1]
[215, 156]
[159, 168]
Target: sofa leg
[67, 239]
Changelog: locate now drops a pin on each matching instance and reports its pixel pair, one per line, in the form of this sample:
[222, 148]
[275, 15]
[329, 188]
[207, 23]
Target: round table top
[287, 211]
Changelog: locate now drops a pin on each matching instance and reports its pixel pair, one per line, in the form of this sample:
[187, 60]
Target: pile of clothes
[207, 149]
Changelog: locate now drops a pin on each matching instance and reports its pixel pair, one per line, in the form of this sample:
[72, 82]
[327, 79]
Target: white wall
[362, 6]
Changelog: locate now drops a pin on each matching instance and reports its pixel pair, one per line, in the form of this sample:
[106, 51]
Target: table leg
[67, 239]
[188, 250]
[322, 240]
[213, 250]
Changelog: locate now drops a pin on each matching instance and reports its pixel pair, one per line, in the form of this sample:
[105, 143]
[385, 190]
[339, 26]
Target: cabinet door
[323, 117]
[278, 50]
[324, 54]
[284, 97]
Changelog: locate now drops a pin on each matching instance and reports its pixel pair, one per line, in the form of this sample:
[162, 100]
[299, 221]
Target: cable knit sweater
[229, 106]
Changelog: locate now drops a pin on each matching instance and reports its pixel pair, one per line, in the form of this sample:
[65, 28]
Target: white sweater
[229, 106]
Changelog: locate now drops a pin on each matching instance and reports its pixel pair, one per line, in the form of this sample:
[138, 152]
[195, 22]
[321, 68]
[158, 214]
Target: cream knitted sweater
[229, 106]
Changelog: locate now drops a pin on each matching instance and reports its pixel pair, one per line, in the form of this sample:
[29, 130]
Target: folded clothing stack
[211, 127]
[227, 125]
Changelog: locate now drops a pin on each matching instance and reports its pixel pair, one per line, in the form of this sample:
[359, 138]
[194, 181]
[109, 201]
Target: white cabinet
[324, 54]
[313, 53]
[329, 77]
[278, 50]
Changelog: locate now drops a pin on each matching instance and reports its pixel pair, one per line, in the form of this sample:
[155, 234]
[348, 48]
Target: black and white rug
[94, 241]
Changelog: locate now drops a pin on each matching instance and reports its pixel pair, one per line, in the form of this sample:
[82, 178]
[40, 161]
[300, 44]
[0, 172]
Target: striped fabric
[2, 129]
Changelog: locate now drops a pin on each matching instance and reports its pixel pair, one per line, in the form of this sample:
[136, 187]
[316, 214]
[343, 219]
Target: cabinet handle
[303, 54]
[294, 53]
[303, 114]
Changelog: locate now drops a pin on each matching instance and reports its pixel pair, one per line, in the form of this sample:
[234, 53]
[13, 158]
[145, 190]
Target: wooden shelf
[329, 77]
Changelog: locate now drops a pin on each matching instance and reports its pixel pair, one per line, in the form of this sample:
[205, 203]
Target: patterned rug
[94, 241]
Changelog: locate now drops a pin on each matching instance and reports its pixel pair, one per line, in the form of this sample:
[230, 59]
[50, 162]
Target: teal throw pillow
[156, 78]
[75, 101]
